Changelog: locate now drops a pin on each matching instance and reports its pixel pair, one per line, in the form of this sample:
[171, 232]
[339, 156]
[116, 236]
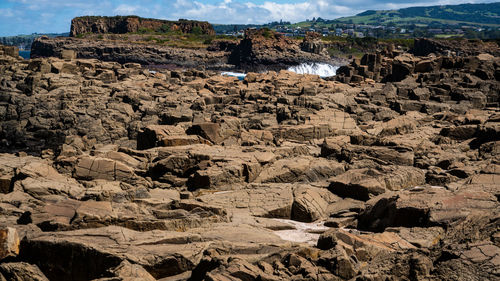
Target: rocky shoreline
[258, 51]
[124, 52]
[111, 172]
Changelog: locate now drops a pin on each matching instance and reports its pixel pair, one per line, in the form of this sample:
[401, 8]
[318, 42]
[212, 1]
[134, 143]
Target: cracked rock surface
[111, 172]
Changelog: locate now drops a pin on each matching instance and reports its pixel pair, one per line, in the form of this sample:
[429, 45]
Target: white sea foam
[238, 75]
[303, 232]
[321, 69]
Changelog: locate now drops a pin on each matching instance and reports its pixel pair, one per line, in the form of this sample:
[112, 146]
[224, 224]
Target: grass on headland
[168, 38]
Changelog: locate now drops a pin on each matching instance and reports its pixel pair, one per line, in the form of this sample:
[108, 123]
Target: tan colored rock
[9, 242]
[103, 190]
[302, 169]
[129, 272]
[261, 201]
[55, 215]
[364, 245]
[398, 126]
[209, 131]
[94, 213]
[362, 184]
[68, 54]
[308, 204]
[12, 51]
[111, 246]
[165, 135]
[91, 168]
[426, 207]
[317, 126]
[422, 237]
[43, 180]
[8, 165]
[21, 271]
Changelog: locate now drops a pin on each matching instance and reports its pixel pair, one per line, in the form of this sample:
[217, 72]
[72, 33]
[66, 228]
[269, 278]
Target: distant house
[358, 34]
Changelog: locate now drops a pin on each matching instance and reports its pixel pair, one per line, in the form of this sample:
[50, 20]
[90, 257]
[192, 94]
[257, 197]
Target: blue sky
[43, 16]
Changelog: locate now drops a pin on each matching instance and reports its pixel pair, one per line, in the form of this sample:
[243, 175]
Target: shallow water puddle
[303, 232]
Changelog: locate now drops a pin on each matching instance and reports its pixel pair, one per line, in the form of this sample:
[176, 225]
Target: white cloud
[27, 16]
[227, 11]
[124, 9]
[6, 13]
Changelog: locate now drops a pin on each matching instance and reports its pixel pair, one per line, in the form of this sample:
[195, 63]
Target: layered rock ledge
[259, 50]
[128, 24]
[111, 171]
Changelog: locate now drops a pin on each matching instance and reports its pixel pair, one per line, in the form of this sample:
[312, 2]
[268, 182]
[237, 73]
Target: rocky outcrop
[433, 76]
[260, 49]
[11, 51]
[266, 49]
[111, 171]
[129, 24]
[461, 47]
[124, 52]
[312, 43]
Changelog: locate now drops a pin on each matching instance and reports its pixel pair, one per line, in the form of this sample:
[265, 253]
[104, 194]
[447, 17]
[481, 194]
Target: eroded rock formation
[128, 24]
[259, 50]
[126, 52]
[265, 49]
[111, 171]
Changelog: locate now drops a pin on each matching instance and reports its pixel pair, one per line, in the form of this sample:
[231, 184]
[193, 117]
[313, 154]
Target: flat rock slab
[86, 254]
[266, 200]
[362, 184]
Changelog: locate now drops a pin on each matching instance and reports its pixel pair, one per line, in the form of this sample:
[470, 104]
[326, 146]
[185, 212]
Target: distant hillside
[483, 14]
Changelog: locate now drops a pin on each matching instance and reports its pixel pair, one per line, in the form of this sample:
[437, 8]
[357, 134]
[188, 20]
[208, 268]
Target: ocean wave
[238, 75]
[321, 69]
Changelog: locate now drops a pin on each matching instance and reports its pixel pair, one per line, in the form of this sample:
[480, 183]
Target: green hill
[474, 14]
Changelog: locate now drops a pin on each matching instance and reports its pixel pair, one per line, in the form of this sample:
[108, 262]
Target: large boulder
[266, 47]
[91, 168]
[270, 200]
[363, 184]
[300, 169]
[309, 204]
[165, 135]
[41, 180]
[83, 25]
[88, 254]
[21, 271]
[426, 207]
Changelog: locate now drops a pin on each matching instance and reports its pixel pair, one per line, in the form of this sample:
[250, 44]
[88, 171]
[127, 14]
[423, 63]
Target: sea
[25, 54]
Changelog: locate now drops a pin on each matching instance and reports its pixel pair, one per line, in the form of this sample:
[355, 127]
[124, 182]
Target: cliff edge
[264, 48]
[128, 24]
